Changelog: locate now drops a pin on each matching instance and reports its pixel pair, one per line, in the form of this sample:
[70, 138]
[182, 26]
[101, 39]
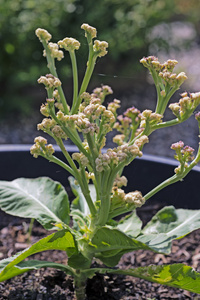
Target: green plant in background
[97, 178]
[125, 24]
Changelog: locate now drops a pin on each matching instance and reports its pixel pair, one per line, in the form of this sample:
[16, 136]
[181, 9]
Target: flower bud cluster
[125, 123]
[50, 81]
[133, 113]
[183, 154]
[170, 64]
[93, 111]
[89, 30]
[119, 139]
[164, 71]
[96, 113]
[125, 152]
[113, 106]
[56, 95]
[100, 47]
[150, 118]
[152, 62]
[69, 44]
[134, 198]
[43, 35]
[49, 126]
[40, 148]
[79, 120]
[173, 78]
[186, 105]
[102, 92]
[120, 181]
[108, 118]
[104, 161]
[58, 132]
[46, 125]
[129, 200]
[128, 122]
[44, 109]
[84, 125]
[141, 141]
[54, 50]
[80, 158]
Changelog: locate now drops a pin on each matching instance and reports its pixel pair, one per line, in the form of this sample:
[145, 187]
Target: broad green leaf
[110, 243]
[174, 275]
[42, 199]
[130, 225]
[167, 225]
[33, 264]
[61, 240]
[106, 239]
[80, 221]
[78, 261]
[111, 261]
[80, 202]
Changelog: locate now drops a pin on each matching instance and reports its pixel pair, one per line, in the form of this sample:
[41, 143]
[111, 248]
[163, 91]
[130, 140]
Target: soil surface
[50, 284]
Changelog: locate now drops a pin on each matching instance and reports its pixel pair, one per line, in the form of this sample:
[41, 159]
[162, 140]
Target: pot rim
[72, 148]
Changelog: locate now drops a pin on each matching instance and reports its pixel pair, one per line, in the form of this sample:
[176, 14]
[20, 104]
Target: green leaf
[78, 261]
[61, 240]
[106, 239]
[174, 275]
[42, 199]
[167, 225]
[80, 202]
[130, 225]
[113, 243]
[111, 261]
[37, 264]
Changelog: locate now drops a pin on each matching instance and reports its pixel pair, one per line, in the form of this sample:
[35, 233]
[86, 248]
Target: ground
[50, 284]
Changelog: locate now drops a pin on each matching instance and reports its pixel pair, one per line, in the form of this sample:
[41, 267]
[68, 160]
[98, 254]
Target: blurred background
[133, 29]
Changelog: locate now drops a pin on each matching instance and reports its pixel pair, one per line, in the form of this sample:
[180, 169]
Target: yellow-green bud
[69, 44]
[43, 35]
[100, 48]
[89, 30]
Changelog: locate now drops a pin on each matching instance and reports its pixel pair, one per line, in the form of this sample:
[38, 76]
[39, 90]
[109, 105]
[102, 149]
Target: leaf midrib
[37, 201]
[182, 224]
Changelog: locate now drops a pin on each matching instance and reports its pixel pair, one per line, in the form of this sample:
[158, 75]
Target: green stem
[157, 85]
[71, 134]
[86, 192]
[52, 68]
[107, 184]
[67, 156]
[165, 100]
[80, 286]
[161, 186]
[92, 146]
[86, 79]
[80, 178]
[166, 124]
[118, 211]
[75, 77]
[174, 178]
[104, 210]
[60, 163]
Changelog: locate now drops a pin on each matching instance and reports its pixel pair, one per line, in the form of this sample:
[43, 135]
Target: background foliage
[125, 24]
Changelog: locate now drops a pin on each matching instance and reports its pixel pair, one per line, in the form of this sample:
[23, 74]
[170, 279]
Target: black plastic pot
[143, 174]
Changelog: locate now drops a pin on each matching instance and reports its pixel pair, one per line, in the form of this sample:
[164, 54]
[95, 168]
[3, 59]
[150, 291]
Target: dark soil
[50, 284]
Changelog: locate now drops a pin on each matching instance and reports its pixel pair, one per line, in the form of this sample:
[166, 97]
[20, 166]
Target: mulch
[50, 284]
